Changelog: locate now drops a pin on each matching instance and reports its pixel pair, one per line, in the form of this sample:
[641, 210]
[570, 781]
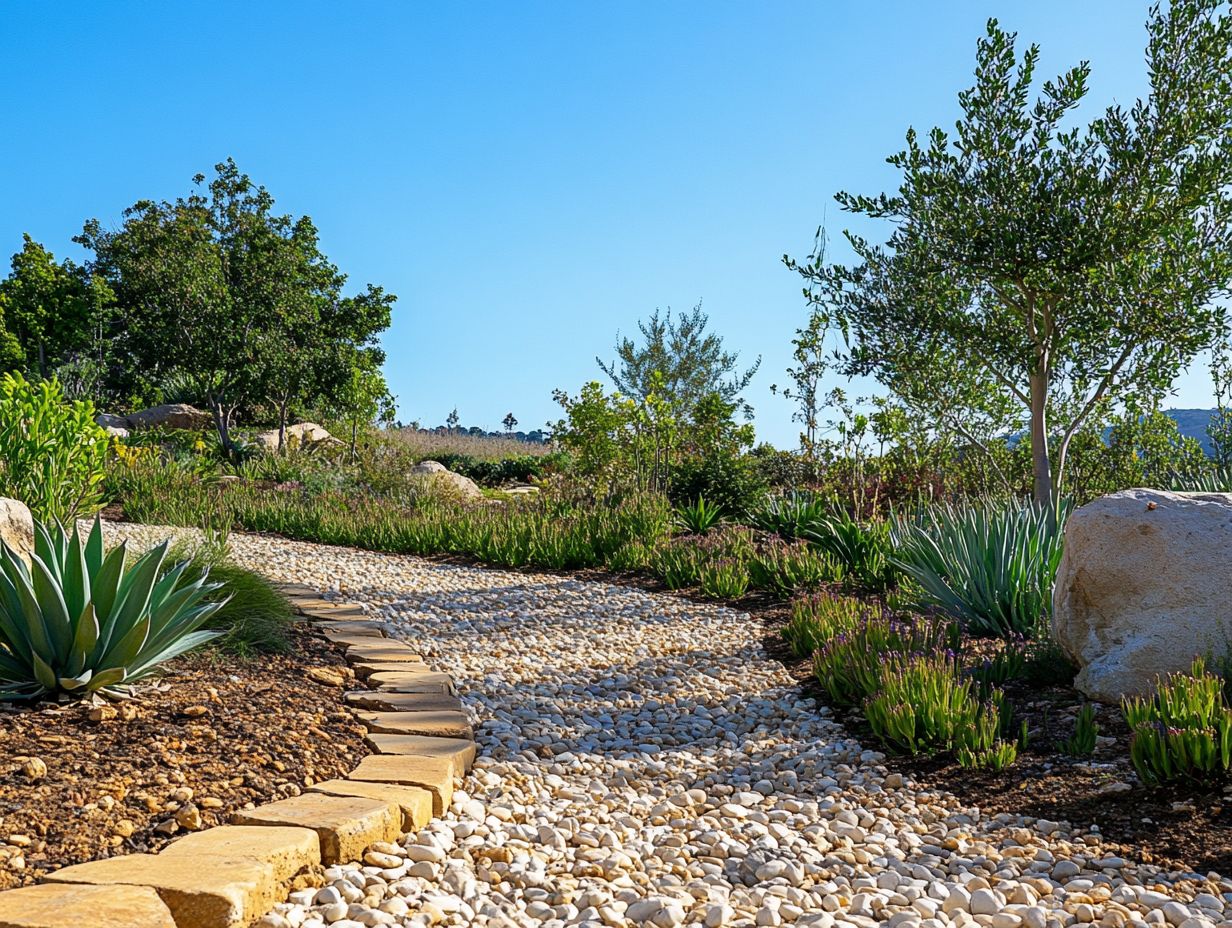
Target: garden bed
[212, 735]
[1175, 827]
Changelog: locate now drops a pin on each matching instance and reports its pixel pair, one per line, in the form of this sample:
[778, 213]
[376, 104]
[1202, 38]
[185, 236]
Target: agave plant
[77, 621]
[698, 517]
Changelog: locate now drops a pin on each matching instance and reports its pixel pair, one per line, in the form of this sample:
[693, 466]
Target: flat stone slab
[202, 892]
[415, 802]
[354, 629]
[332, 612]
[287, 850]
[375, 701]
[387, 651]
[460, 750]
[346, 825]
[435, 774]
[382, 677]
[63, 905]
[439, 723]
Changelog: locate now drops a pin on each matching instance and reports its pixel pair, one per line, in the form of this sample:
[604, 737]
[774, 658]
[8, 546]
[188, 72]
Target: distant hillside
[1192, 424]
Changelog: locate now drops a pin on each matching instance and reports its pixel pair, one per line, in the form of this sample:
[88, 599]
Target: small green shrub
[849, 666]
[862, 549]
[789, 516]
[990, 565]
[925, 704]
[52, 454]
[1184, 731]
[786, 568]
[77, 621]
[723, 578]
[684, 562]
[1082, 742]
[820, 618]
[698, 517]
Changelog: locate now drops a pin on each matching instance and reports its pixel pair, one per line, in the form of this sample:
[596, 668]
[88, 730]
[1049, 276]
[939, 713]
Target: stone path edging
[231, 875]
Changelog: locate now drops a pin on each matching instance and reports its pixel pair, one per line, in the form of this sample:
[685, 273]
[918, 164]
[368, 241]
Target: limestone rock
[17, 526]
[170, 416]
[68, 906]
[444, 479]
[1142, 587]
[300, 435]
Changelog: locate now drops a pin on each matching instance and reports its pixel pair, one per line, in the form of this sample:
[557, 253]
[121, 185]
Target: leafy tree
[1065, 270]
[690, 360]
[510, 422]
[52, 310]
[364, 398]
[452, 420]
[218, 289]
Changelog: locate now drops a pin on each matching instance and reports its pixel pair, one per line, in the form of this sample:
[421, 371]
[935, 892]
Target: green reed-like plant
[787, 568]
[1086, 730]
[723, 578]
[862, 549]
[789, 516]
[78, 621]
[849, 666]
[1184, 731]
[820, 618]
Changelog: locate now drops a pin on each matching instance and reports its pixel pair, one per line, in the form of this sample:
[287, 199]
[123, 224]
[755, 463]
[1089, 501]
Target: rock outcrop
[300, 435]
[169, 416]
[443, 478]
[1143, 587]
[17, 526]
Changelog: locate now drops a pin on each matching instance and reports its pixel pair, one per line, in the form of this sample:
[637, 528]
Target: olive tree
[1061, 268]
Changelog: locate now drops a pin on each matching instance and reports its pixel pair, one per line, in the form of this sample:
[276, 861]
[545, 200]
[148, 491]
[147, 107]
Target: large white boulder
[1143, 587]
[299, 435]
[17, 526]
[445, 479]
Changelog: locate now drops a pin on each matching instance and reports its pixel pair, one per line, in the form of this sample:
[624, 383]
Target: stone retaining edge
[230, 875]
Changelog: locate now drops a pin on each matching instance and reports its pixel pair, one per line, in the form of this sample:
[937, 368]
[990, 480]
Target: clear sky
[528, 178]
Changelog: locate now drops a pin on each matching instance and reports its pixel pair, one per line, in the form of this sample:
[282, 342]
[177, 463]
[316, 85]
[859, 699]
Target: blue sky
[528, 178]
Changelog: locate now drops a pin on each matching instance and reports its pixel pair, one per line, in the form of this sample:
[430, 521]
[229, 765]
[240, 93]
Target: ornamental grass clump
[789, 516]
[992, 566]
[1184, 731]
[787, 568]
[77, 621]
[820, 618]
[862, 549]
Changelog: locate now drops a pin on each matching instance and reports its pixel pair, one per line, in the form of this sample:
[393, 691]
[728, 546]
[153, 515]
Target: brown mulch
[212, 735]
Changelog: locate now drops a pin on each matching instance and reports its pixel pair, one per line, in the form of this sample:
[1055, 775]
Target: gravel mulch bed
[213, 734]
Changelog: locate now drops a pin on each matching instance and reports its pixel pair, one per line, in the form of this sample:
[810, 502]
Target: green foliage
[52, 454]
[787, 568]
[990, 565]
[925, 704]
[688, 561]
[680, 360]
[77, 621]
[1082, 742]
[819, 618]
[1184, 731]
[1038, 272]
[790, 515]
[524, 468]
[849, 665]
[698, 517]
[1009, 663]
[52, 312]
[862, 548]
[723, 578]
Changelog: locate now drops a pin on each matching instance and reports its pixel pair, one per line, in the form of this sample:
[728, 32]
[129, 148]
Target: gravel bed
[643, 762]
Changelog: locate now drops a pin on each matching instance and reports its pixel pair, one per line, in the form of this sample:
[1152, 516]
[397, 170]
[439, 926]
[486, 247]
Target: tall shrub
[52, 453]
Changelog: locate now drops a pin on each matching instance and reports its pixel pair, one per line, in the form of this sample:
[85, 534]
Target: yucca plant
[698, 517]
[862, 549]
[789, 516]
[991, 566]
[77, 621]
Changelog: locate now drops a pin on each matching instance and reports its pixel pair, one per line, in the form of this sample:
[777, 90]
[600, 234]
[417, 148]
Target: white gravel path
[644, 763]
